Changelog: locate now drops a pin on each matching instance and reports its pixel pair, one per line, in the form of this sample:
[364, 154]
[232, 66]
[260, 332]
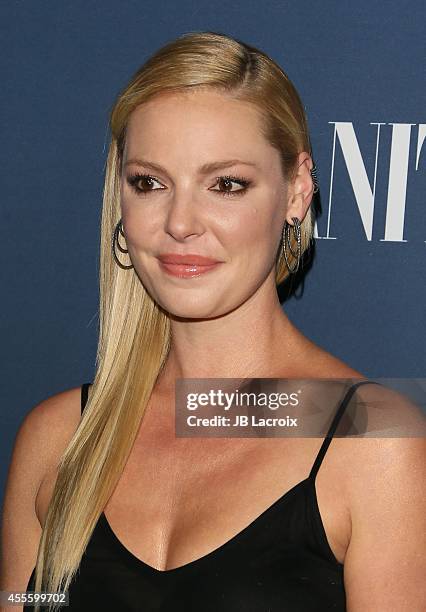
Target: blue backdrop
[359, 68]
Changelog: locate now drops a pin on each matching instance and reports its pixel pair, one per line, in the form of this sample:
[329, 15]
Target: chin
[197, 308]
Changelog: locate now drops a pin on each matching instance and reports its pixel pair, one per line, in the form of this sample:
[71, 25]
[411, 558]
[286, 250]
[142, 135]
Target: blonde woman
[207, 207]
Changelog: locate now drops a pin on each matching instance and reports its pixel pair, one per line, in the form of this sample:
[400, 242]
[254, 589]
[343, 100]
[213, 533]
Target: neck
[255, 340]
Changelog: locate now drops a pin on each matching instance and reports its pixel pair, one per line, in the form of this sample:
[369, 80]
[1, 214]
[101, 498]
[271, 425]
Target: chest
[179, 500]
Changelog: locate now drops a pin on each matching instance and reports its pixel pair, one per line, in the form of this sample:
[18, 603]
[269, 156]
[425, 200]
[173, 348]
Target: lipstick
[187, 266]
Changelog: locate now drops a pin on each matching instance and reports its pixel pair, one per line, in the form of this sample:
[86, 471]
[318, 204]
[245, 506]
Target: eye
[226, 183]
[142, 183]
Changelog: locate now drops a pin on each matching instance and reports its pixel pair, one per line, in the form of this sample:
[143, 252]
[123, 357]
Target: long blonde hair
[134, 334]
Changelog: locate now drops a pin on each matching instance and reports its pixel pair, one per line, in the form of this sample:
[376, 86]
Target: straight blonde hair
[134, 331]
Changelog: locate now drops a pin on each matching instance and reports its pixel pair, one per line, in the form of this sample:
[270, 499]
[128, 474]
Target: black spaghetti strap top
[281, 562]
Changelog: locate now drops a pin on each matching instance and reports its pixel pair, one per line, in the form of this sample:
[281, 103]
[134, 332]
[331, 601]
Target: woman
[208, 202]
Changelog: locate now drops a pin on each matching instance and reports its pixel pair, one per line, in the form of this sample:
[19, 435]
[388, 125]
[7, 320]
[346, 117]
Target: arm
[385, 564]
[41, 438]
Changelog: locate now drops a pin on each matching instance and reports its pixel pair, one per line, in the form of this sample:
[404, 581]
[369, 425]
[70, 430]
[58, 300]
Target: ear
[301, 190]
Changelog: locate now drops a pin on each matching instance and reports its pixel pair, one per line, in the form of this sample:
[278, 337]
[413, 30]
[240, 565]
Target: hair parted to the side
[134, 331]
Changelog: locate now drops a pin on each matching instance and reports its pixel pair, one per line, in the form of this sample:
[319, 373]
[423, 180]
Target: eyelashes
[135, 179]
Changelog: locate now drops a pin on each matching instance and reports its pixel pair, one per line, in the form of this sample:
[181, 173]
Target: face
[199, 179]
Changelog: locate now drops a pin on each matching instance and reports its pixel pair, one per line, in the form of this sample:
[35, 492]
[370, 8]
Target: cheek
[139, 228]
[256, 236]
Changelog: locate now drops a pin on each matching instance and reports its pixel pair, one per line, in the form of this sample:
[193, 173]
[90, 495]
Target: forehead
[199, 104]
[197, 120]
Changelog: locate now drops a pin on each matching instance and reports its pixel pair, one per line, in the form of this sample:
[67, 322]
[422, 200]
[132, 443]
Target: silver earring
[314, 178]
[115, 240]
[286, 241]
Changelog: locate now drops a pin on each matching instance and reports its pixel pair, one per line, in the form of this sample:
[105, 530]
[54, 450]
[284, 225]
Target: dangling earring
[115, 239]
[286, 240]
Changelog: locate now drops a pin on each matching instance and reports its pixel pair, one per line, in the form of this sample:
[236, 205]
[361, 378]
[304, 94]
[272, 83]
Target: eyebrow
[204, 169]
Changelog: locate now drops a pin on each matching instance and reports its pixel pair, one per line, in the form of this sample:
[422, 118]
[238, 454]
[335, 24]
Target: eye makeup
[134, 179]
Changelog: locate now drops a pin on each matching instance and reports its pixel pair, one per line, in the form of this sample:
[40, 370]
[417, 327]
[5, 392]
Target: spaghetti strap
[339, 413]
[84, 395]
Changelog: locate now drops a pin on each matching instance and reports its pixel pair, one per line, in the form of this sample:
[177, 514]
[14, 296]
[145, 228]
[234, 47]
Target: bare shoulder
[386, 473]
[390, 438]
[323, 364]
[46, 430]
[53, 420]
[42, 436]
[57, 419]
[389, 413]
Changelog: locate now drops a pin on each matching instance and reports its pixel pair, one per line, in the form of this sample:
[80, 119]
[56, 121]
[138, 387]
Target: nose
[183, 218]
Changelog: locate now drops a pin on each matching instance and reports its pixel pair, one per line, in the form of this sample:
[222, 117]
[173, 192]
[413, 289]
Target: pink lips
[186, 266]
